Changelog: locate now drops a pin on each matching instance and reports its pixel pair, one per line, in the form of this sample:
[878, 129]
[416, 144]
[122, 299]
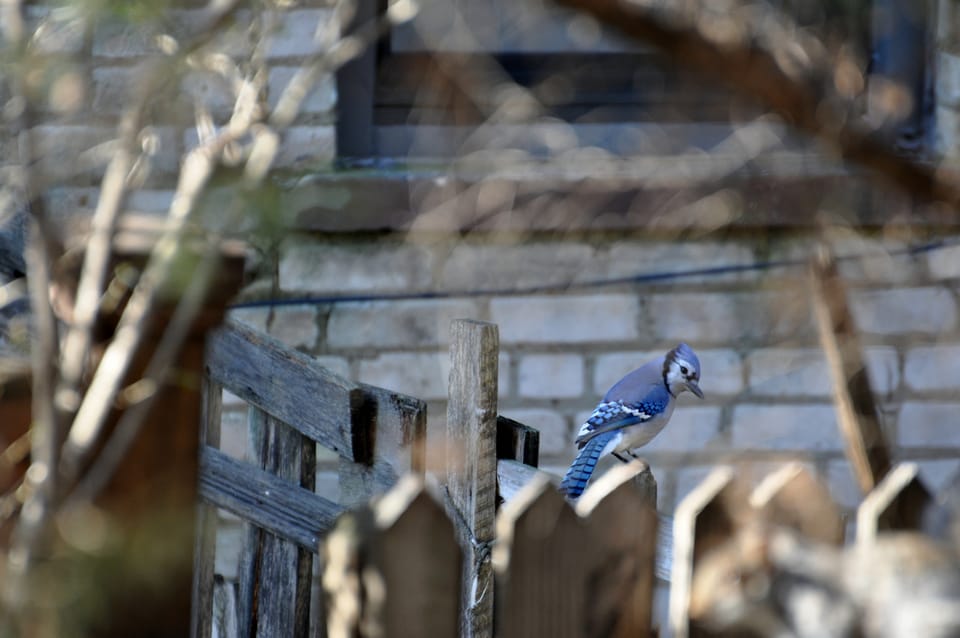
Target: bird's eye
[683, 369]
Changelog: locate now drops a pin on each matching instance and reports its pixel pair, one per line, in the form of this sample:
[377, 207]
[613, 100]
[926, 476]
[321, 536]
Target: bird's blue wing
[613, 415]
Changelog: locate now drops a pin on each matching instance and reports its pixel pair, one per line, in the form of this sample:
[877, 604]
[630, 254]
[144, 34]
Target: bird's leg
[622, 458]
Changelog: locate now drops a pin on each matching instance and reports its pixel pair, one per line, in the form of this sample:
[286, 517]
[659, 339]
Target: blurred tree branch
[748, 47]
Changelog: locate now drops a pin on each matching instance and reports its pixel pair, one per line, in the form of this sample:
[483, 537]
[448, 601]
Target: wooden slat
[398, 423]
[513, 476]
[517, 441]
[793, 497]
[275, 505]
[283, 588]
[620, 511]
[898, 503]
[248, 571]
[205, 542]
[288, 385]
[472, 462]
[866, 445]
[542, 566]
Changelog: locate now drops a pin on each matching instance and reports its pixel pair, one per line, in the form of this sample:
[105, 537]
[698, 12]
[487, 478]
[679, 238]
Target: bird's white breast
[638, 435]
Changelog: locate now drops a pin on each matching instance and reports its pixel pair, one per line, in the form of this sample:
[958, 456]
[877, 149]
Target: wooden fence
[489, 547]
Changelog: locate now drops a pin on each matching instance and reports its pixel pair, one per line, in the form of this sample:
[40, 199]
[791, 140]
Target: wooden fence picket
[704, 520]
[543, 561]
[793, 497]
[393, 568]
[472, 463]
[898, 503]
[619, 509]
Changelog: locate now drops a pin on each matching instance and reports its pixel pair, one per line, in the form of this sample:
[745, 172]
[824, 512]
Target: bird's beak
[695, 388]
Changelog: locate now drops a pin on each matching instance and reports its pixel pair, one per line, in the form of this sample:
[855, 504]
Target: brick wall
[765, 378]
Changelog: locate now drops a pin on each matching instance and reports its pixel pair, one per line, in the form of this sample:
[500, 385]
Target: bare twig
[113, 192]
[800, 88]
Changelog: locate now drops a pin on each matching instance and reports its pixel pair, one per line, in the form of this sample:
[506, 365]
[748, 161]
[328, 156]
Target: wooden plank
[283, 587]
[517, 441]
[286, 510]
[288, 385]
[620, 512]
[396, 425]
[542, 566]
[420, 561]
[866, 445]
[205, 543]
[472, 463]
[704, 520]
[898, 503]
[248, 571]
[793, 497]
[512, 477]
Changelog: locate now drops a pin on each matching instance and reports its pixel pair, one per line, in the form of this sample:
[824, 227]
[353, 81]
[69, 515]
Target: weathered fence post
[472, 464]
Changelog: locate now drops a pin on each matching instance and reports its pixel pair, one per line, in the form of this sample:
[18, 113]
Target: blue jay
[632, 412]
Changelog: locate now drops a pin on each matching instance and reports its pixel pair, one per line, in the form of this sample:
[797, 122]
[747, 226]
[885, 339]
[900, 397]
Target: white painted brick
[295, 34]
[122, 39]
[843, 484]
[315, 267]
[336, 365]
[937, 474]
[295, 326]
[233, 432]
[550, 376]
[935, 367]
[789, 373]
[254, 317]
[944, 263]
[209, 89]
[306, 145]
[64, 152]
[388, 324]
[555, 435]
[874, 259]
[567, 319]
[946, 134]
[948, 79]
[728, 318]
[59, 30]
[905, 310]
[642, 257]
[508, 266]
[808, 428]
[691, 429]
[229, 545]
[321, 99]
[883, 367]
[150, 201]
[931, 424]
[423, 375]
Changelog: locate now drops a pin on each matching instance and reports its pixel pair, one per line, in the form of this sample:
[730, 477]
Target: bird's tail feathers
[576, 478]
